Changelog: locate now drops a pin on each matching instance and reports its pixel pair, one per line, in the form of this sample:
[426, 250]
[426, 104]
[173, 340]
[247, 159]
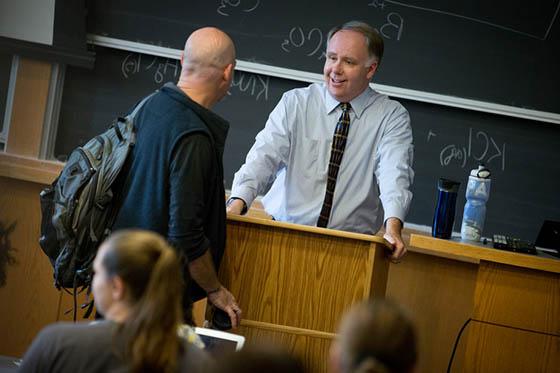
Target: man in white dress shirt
[290, 158]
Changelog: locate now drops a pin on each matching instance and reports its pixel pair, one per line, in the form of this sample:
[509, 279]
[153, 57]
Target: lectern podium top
[310, 229]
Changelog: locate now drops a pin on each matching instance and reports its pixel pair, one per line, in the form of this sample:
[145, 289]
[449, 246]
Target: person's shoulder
[386, 103]
[69, 329]
[58, 328]
[304, 93]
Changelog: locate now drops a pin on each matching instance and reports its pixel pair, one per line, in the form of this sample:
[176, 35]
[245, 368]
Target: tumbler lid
[481, 172]
[448, 185]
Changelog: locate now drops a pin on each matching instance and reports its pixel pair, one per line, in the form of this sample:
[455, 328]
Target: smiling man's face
[348, 68]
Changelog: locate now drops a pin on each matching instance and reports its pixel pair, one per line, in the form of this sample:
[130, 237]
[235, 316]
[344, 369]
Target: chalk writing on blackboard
[163, 69]
[480, 147]
[312, 42]
[245, 6]
[254, 85]
[394, 26]
[168, 69]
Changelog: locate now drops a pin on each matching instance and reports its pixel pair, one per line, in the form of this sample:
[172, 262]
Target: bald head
[208, 47]
[208, 61]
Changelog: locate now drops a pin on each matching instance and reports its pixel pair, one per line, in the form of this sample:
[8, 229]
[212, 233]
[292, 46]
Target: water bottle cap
[448, 185]
[481, 172]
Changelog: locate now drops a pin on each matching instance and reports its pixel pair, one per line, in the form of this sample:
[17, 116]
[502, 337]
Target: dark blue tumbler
[445, 208]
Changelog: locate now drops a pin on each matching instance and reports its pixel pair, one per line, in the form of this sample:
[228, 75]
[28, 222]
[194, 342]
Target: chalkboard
[522, 155]
[92, 99]
[500, 51]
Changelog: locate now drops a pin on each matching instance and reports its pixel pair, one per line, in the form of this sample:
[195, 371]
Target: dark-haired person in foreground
[375, 337]
[311, 175]
[137, 286]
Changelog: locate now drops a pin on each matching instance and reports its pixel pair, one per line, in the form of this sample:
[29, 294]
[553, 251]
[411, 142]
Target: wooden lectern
[295, 282]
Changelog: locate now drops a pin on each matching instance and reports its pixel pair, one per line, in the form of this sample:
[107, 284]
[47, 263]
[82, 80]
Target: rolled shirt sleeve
[191, 180]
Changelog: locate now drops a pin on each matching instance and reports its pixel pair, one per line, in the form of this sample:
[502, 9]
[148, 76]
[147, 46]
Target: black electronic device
[517, 245]
[548, 239]
[220, 320]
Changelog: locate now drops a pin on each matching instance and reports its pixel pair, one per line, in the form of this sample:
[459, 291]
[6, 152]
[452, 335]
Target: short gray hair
[373, 39]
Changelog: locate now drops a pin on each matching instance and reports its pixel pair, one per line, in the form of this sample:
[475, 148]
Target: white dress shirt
[290, 159]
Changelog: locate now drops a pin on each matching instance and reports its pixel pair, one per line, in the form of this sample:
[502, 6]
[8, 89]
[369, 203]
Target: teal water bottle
[474, 214]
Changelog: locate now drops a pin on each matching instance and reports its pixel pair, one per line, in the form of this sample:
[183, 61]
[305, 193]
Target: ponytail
[151, 272]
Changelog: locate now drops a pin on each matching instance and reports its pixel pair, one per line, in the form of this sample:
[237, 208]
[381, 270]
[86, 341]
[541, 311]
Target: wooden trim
[29, 169]
[287, 329]
[29, 105]
[486, 253]
[443, 254]
[310, 229]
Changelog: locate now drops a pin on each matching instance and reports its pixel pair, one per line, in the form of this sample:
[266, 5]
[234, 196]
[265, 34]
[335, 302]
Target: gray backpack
[80, 207]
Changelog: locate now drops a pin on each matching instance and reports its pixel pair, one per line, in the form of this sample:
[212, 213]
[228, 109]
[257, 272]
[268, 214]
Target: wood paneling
[299, 281]
[493, 348]
[199, 312]
[312, 349]
[66, 306]
[29, 169]
[28, 110]
[516, 304]
[470, 251]
[438, 293]
[517, 297]
[29, 300]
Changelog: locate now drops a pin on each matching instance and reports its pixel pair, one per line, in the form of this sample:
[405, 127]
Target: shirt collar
[359, 103]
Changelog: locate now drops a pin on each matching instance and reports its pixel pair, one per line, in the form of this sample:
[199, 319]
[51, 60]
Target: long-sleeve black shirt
[174, 185]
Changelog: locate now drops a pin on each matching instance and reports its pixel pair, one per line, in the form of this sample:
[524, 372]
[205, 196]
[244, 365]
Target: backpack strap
[132, 115]
[118, 196]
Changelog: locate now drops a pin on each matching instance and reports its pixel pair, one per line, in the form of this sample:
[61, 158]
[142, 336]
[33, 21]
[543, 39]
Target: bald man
[175, 181]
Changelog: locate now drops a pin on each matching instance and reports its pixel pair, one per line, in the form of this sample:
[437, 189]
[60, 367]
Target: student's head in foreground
[375, 336]
[137, 283]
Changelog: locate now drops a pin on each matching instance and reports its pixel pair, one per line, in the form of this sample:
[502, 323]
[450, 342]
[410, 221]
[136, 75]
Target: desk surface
[475, 252]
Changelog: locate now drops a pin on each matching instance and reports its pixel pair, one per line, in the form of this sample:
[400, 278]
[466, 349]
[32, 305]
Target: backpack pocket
[48, 240]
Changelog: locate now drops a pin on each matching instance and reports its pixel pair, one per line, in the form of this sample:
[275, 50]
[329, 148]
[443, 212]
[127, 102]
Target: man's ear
[372, 69]
[118, 289]
[182, 58]
[228, 72]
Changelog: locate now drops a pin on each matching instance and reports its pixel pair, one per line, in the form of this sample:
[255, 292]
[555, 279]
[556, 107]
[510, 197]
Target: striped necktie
[337, 151]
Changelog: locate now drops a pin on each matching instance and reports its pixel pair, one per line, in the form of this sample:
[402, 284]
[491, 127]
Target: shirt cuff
[244, 193]
[243, 210]
[394, 212]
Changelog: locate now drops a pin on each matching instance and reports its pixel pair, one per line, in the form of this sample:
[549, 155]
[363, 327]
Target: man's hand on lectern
[393, 228]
